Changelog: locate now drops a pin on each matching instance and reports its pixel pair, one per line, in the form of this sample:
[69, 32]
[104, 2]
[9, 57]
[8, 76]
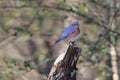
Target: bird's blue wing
[66, 33]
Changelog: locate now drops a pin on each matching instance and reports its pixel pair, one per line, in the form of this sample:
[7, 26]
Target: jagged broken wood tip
[66, 68]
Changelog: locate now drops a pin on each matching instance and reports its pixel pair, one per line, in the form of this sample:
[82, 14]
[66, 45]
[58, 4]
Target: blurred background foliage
[28, 28]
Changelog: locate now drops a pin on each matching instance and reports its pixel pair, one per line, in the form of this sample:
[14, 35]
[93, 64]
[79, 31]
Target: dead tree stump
[66, 69]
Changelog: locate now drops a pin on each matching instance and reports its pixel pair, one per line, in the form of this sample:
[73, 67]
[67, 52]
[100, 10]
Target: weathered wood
[66, 69]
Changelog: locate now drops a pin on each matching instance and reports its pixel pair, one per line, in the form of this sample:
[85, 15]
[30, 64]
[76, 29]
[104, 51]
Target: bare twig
[67, 10]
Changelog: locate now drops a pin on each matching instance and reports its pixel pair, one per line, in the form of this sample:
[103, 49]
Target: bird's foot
[71, 43]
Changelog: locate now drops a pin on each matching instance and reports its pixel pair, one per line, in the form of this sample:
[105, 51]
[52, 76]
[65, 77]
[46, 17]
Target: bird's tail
[56, 42]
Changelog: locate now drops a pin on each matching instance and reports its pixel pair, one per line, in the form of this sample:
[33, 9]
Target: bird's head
[74, 23]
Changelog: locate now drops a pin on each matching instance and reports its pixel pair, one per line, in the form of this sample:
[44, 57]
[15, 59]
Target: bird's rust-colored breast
[74, 34]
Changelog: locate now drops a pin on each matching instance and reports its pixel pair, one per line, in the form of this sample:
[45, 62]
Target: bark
[113, 55]
[66, 69]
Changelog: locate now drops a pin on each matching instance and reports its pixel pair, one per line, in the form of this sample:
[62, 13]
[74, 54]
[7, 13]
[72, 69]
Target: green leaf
[86, 10]
[80, 11]
[42, 56]
[103, 73]
[64, 6]
[113, 25]
[105, 51]
[6, 20]
[113, 40]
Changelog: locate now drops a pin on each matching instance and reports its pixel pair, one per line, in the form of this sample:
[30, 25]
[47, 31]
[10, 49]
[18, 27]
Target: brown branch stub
[66, 68]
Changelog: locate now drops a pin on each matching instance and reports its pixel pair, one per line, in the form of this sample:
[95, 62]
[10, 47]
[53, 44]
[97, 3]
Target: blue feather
[68, 31]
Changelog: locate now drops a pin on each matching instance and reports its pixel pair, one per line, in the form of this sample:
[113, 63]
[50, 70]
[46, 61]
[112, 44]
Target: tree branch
[103, 24]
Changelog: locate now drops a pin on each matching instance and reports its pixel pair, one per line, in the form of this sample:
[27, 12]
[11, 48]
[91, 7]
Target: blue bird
[71, 33]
